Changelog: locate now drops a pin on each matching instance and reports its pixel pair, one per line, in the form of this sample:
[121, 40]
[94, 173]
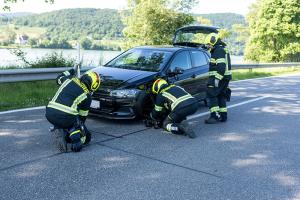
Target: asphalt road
[255, 155]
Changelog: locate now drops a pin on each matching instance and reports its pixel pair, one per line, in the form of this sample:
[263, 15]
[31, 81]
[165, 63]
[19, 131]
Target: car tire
[144, 104]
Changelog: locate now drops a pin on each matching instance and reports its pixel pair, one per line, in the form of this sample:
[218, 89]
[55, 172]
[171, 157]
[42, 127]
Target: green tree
[151, 22]
[86, 43]
[274, 31]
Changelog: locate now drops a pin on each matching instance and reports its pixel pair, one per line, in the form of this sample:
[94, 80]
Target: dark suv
[127, 79]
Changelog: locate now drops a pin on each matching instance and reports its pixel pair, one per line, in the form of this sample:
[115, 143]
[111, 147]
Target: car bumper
[111, 108]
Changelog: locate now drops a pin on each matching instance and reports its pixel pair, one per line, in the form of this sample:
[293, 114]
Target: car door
[182, 60]
[200, 66]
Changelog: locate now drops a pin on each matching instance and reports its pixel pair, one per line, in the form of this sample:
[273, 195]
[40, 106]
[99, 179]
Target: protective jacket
[72, 99]
[65, 76]
[220, 63]
[171, 99]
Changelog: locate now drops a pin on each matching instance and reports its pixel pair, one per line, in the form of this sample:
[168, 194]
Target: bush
[53, 59]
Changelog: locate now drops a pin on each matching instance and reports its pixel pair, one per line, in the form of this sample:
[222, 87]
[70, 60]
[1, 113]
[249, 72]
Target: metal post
[78, 62]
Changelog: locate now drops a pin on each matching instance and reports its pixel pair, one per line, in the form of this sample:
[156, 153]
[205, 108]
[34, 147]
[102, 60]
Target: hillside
[59, 29]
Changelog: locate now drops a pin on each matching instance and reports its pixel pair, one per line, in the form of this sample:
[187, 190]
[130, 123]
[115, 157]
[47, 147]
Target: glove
[148, 122]
[76, 146]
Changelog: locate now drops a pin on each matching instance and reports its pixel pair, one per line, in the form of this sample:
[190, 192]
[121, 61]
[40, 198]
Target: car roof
[198, 28]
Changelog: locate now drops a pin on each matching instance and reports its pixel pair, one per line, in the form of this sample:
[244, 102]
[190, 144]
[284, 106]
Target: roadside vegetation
[39, 93]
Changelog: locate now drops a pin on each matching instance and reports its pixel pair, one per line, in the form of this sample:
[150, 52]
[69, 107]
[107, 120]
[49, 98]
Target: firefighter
[177, 104]
[65, 76]
[70, 106]
[219, 77]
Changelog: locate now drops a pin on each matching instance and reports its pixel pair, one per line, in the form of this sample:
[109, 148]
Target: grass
[242, 74]
[38, 93]
[26, 94]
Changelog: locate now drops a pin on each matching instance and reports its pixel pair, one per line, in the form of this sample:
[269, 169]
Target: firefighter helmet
[91, 80]
[158, 85]
[212, 39]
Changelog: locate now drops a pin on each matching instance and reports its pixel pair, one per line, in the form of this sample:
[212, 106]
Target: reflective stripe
[60, 89]
[179, 100]
[78, 100]
[223, 109]
[62, 108]
[221, 60]
[212, 60]
[215, 74]
[77, 81]
[158, 108]
[169, 96]
[66, 73]
[169, 127]
[214, 109]
[75, 132]
[228, 72]
[83, 112]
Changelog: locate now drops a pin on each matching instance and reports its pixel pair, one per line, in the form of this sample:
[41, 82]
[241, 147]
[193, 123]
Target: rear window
[141, 59]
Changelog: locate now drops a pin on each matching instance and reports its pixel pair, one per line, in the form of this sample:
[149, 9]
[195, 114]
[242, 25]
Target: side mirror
[174, 72]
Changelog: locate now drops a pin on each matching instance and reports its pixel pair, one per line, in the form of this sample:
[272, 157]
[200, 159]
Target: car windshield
[141, 59]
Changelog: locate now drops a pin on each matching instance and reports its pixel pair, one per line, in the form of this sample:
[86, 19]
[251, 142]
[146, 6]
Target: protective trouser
[217, 99]
[71, 123]
[173, 120]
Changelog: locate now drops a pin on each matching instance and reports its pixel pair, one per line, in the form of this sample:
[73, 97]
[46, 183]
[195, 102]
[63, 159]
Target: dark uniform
[175, 102]
[219, 77]
[70, 106]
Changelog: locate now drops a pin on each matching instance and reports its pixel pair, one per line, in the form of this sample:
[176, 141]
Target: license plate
[95, 104]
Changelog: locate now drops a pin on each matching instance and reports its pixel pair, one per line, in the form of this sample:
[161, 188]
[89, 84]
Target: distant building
[22, 39]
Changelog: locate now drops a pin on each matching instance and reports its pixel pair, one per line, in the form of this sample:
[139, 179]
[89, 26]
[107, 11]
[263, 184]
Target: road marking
[21, 110]
[231, 106]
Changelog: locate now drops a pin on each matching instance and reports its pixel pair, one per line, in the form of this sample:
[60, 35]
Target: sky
[204, 6]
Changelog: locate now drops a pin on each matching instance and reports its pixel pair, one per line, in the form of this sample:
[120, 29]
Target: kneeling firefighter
[177, 104]
[70, 106]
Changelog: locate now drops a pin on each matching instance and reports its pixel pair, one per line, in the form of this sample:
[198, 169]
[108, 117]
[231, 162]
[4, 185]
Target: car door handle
[194, 76]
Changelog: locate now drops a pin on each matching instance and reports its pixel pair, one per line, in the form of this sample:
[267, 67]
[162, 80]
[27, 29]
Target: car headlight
[125, 93]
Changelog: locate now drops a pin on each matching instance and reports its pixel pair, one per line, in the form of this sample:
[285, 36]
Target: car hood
[113, 78]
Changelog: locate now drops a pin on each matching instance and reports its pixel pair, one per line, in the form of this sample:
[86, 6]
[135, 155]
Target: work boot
[213, 119]
[223, 116]
[186, 129]
[60, 140]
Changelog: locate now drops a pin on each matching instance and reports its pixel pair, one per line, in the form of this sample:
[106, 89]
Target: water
[89, 57]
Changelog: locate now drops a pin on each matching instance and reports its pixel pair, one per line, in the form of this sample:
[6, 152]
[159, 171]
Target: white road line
[20, 110]
[231, 106]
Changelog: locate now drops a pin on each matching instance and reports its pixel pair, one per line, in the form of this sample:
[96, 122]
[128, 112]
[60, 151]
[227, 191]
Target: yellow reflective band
[168, 127]
[83, 112]
[169, 96]
[223, 109]
[62, 108]
[228, 72]
[78, 100]
[215, 74]
[214, 109]
[75, 132]
[60, 89]
[212, 60]
[66, 73]
[221, 60]
[158, 108]
[179, 100]
[77, 81]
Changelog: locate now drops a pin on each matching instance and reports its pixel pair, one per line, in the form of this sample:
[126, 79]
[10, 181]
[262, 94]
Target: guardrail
[19, 75]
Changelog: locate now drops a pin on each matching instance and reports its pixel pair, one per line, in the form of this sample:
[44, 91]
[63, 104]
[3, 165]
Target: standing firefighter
[70, 106]
[219, 77]
[175, 102]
